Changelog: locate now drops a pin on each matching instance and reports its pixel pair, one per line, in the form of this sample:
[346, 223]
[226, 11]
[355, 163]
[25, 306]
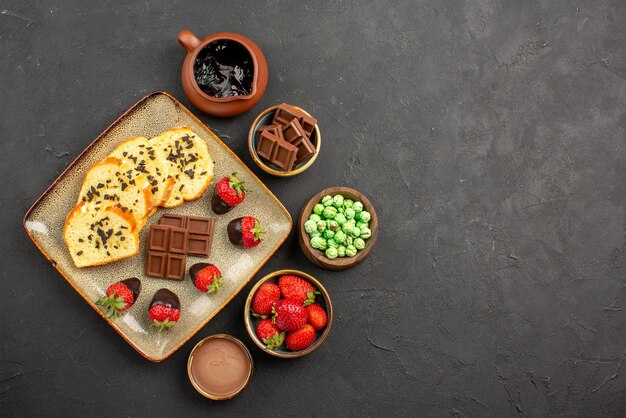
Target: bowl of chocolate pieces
[284, 140]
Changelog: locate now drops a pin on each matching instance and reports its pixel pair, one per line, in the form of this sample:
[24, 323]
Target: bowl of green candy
[337, 228]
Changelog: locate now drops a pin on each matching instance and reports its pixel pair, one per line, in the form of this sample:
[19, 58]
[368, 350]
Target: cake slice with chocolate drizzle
[113, 181]
[97, 234]
[139, 153]
[190, 164]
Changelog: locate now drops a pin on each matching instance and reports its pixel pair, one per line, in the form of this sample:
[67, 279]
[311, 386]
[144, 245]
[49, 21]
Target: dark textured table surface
[490, 135]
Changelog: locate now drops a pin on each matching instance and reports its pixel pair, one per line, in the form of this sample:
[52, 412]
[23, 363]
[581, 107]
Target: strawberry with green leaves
[245, 232]
[269, 334]
[120, 296]
[229, 192]
[297, 289]
[164, 309]
[206, 277]
[300, 339]
[264, 299]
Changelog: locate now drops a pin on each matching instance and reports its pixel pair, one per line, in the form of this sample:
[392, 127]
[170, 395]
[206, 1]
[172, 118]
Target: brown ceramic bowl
[265, 118]
[227, 106]
[318, 257]
[283, 352]
[198, 385]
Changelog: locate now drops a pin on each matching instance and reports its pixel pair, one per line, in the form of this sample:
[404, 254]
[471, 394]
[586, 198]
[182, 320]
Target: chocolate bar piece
[158, 239]
[155, 264]
[305, 149]
[285, 114]
[195, 226]
[267, 144]
[274, 129]
[284, 155]
[293, 131]
[308, 124]
[199, 245]
[178, 240]
[179, 221]
[175, 266]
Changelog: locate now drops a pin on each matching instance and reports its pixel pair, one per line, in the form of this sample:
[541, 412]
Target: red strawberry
[268, 333]
[289, 315]
[228, 193]
[164, 309]
[120, 296]
[316, 316]
[300, 339]
[264, 299]
[245, 231]
[296, 289]
[206, 277]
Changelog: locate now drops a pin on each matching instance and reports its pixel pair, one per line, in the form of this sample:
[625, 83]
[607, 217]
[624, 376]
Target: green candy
[323, 244]
[348, 240]
[329, 212]
[347, 203]
[331, 253]
[366, 233]
[315, 217]
[359, 244]
[332, 243]
[357, 206]
[365, 216]
[333, 225]
[316, 242]
[310, 226]
[327, 200]
[361, 225]
[328, 234]
[340, 237]
[315, 233]
[337, 200]
[351, 251]
[340, 209]
[341, 251]
[340, 218]
[348, 225]
[321, 225]
[356, 232]
[349, 212]
[318, 209]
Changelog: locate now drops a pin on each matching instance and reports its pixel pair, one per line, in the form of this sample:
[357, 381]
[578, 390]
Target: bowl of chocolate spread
[224, 74]
[220, 367]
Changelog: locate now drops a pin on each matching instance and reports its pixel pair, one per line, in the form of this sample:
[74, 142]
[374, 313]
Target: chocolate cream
[220, 367]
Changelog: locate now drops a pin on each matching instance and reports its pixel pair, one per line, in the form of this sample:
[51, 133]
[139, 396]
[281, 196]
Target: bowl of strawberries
[288, 313]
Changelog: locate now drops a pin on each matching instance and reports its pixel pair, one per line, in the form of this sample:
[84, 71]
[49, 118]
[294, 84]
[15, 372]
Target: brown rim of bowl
[320, 339]
[198, 388]
[229, 36]
[318, 257]
[267, 168]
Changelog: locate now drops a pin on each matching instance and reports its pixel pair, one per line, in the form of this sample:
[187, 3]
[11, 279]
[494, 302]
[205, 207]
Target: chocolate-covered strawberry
[206, 277]
[164, 309]
[229, 192]
[120, 296]
[245, 232]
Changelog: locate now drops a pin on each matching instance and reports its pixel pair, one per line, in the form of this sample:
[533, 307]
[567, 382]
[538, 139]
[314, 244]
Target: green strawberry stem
[237, 184]
[166, 324]
[257, 230]
[215, 285]
[274, 341]
[112, 305]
